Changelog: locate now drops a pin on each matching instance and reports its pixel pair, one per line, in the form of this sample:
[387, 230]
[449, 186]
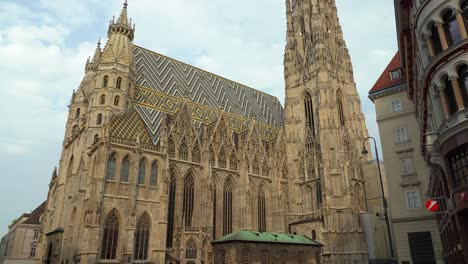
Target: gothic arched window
[452, 31]
[110, 237]
[116, 100]
[77, 113]
[318, 194]
[196, 154]
[463, 82]
[222, 158]
[118, 83]
[189, 193]
[142, 172]
[171, 208]
[255, 166]
[171, 147]
[154, 174]
[105, 81]
[261, 211]
[125, 169]
[309, 112]
[102, 99]
[142, 237]
[233, 161]
[183, 151]
[99, 119]
[339, 102]
[227, 207]
[110, 171]
[191, 250]
[265, 168]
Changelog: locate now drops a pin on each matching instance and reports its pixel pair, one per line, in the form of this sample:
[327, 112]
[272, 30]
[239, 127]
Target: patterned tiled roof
[164, 83]
[384, 80]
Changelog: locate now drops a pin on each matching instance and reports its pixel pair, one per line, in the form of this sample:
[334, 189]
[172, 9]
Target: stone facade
[160, 158]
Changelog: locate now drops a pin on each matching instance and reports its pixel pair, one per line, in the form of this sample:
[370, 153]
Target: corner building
[161, 158]
[433, 44]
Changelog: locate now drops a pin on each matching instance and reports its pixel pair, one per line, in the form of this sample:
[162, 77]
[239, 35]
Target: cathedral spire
[123, 19]
[97, 53]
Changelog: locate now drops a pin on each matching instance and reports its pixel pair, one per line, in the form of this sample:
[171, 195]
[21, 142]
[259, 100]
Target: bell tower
[325, 129]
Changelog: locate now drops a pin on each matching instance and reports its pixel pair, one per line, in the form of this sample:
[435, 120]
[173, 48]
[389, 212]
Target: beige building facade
[414, 228]
[161, 158]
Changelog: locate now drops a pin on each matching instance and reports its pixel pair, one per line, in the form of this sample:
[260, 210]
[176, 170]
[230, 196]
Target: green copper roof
[266, 237]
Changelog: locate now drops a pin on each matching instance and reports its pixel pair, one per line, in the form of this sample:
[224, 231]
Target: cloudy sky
[44, 45]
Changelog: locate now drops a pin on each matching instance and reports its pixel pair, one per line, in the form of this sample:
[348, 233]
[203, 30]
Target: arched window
[110, 237]
[436, 44]
[261, 211]
[191, 250]
[452, 31]
[116, 100]
[102, 100]
[314, 235]
[142, 237]
[110, 171]
[255, 166]
[77, 113]
[183, 151]
[309, 112]
[96, 138]
[196, 154]
[154, 174]
[222, 158]
[125, 169]
[227, 207]
[105, 81]
[189, 193]
[463, 82]
[233, 161]
[170, 209]
[265, 168]
[318, 194]
[171, 147]
[339, 102]
[142, 172]
[464, 8]
[450, 95]
[99, 119]
[118, 83]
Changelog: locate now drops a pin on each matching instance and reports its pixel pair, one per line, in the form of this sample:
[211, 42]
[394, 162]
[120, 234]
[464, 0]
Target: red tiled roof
[384, 80]
[35, 216]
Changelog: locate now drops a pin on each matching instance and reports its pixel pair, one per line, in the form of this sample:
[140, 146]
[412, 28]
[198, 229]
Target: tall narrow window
[227, 208]
[77, 113]
[110, 237]
[99, 119]
[171, 147]
[102, 100]
[191, 250]
[125, 169]
[452, 31]
[170, 209]
[214, 211]
[261, 211]
[212, 157]
[183, 151]
[450, 95]
[154, 174]
[189, 193]
[196, 154]
[142, 237]
[412, 197]
[464, 8]
[110, 171]
[463, 82]
[116, 100]
[142, 172]
[265, 169]
[105, 81]
[233, 161]
[436, 44]
[255, 166]
[318, 193]
[222, 158]
[314, 235]
[118, 84]
[339, 102]
[309, 112]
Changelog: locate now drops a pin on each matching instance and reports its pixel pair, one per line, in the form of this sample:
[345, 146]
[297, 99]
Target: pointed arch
[154, 174]
[118, 83]
[183, 150]
[339, 102]
[116, 100]
[110, 170]
[171, 147]
[222, 158]
[99, 120]
[196, 153]
[261, 213]
[309, 112]
[142, 232]
[233, 161]
[110, 237]
[105, 81]
[142, 171]
[77, 113]
[227, 207]
[191, 250]
[171, 207]
[125, 169]
[102, 99]
[189, 196]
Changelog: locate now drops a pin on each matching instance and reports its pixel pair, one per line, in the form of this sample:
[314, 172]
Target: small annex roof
[385, 81]
[267, 237]
[35, 217]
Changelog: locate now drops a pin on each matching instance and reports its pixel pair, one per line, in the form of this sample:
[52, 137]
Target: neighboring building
[252, 247]
[433, 44]
[19, 245]
[161, 158]
[414, 228]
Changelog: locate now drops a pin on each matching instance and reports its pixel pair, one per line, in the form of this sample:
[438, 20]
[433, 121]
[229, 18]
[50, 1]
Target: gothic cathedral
[160, 158]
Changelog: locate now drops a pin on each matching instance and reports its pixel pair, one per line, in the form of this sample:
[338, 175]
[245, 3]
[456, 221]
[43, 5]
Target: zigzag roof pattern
[164, 83]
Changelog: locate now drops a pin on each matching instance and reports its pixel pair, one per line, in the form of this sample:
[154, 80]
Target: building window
[396, 106]
[261, 211]
[401, 135]
[189, 195]
[171, 147]
[463, 82]
[395, 74]
[116, 101]
[452, 31]
[110, 171]
[191, 250]
[435, 39]
[118, 84]
[318, 192]
[99, 119]
[309, 112]
[110, 236]
[222, 158]
[449, 93]
[227, 208]
[407, 166]
[102, 99]
[170, 209]
[421, 247]
[214, 210]
[265, 169]
[183, 151]
[255, 166]
[77, 113]
[196, 154]
[32, 252]
[458, 161]
[36, 234]
[142, 237]
[125, 169]
[300, 257]
[105, 81]
[412, 198]
[154, 174]
[142, 172]
[314, 235]
[233, 161]
[339, 101]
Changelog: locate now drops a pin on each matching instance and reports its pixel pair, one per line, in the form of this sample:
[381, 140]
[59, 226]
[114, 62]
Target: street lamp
[384, 201]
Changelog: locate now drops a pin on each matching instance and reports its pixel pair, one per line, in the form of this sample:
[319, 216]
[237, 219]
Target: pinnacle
[123, 19]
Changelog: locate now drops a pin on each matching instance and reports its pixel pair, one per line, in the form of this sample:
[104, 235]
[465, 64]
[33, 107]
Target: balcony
[453, 125]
